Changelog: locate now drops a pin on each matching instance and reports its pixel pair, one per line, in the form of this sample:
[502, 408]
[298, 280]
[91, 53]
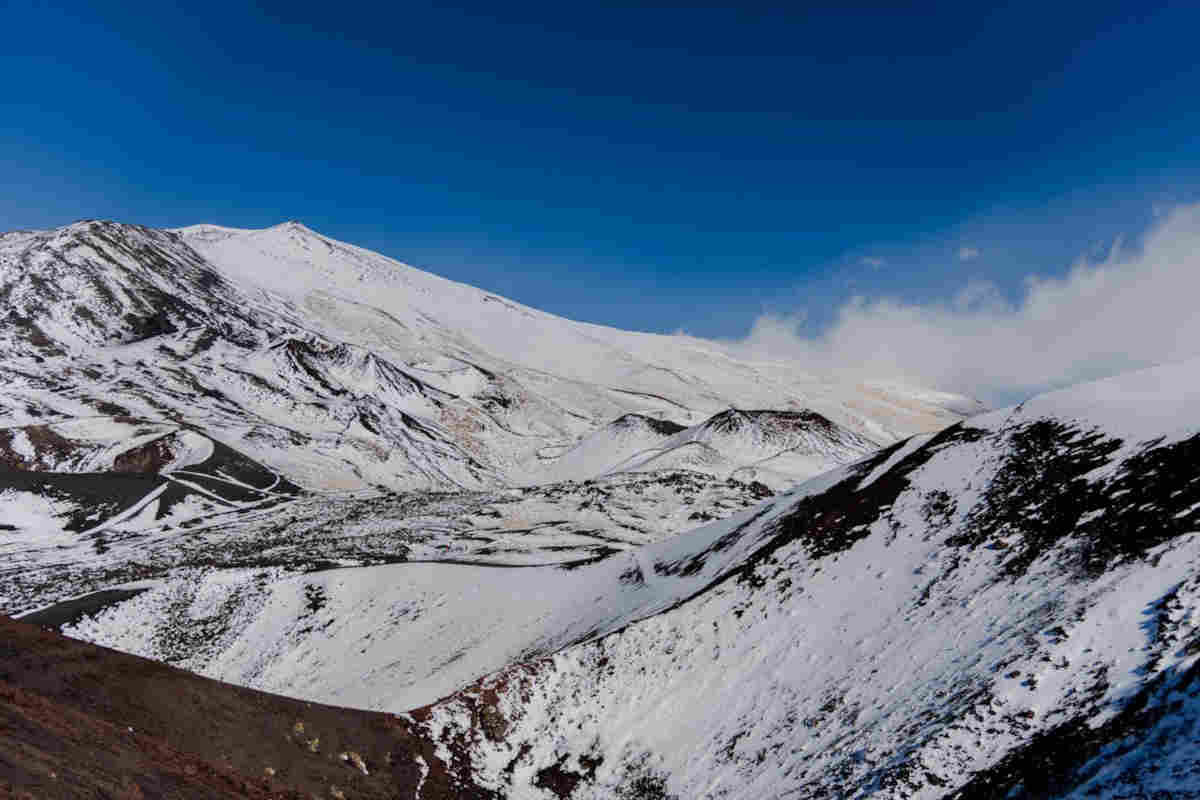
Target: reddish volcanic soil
[78, 720]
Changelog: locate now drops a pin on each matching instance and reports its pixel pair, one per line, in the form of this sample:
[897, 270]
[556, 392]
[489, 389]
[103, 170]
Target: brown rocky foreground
[77, 720]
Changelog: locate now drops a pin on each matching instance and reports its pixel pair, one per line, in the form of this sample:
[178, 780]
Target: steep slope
[428, 314]
[620, 371]
[128, 321]
[81, 721]
[1008, 608]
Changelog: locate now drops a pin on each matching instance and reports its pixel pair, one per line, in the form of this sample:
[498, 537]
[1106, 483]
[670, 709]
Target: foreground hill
[82, 721]
[1009, 607]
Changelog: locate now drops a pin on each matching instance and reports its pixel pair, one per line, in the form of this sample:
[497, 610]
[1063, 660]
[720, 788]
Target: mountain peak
[208, 230]
[294, 226]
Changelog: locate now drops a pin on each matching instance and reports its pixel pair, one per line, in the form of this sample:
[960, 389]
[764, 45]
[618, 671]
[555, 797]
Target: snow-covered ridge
[1008, 608]
[347, 370]
[102, 444]
[655, 365]
[777, 448]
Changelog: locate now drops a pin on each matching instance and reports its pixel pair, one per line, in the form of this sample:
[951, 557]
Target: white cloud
[1130, 310]
[968, 253]
[872, 261]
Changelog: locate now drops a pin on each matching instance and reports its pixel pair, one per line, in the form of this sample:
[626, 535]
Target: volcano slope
[1007, 608]
[772, 447]
[81, 721]
[345, 370]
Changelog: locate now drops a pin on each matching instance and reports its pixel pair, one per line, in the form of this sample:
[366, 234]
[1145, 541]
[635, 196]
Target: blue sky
[651, 167]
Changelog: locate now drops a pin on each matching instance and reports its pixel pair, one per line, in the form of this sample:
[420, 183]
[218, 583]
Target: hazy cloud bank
[1131, 310]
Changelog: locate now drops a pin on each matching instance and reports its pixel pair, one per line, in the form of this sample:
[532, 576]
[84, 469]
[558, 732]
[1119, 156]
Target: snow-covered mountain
[132, 360]
[776, 448]
[553, 551]
[772, 447]
[1006, 608]
[343, 370]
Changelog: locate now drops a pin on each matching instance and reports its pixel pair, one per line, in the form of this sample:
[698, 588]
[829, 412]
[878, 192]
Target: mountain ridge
[182, 325]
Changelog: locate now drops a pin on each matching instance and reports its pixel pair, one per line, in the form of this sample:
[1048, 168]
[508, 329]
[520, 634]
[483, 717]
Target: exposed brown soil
[78, 720]
[149, 457]
[45, 441]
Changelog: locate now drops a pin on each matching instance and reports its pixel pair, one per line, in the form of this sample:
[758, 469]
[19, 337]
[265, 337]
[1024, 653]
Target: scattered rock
[351, 757]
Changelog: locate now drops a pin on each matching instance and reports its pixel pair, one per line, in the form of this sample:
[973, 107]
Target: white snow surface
[1135, 406]
[588, 371]
[403, 635]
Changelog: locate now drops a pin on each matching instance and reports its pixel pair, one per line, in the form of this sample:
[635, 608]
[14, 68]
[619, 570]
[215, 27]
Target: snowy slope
[596, 372]
[646, 372]
[1010, 608]
[603, 449]
[778, 448]
[346, 370]
[1006, 608]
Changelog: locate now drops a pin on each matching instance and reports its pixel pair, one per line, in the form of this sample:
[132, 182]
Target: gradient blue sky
[651, 167]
